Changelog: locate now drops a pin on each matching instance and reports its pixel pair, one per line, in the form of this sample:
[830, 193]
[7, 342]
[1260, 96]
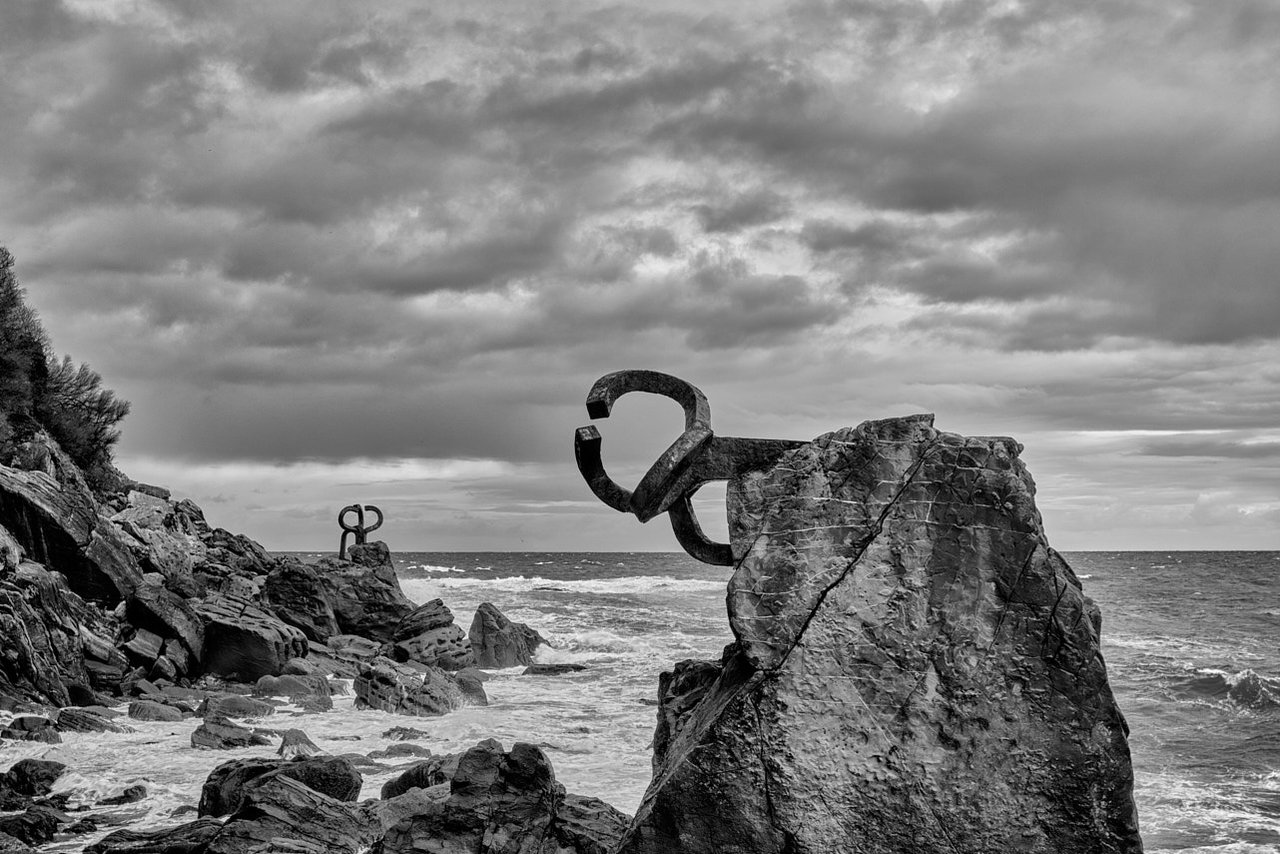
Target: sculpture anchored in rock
[914, 669]
[359, 529]
[697, 457]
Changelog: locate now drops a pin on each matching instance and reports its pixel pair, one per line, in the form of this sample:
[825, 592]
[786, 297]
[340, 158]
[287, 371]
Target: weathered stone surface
[292, 686]
[471, 685]
[143, 647]
[403, 690]
[32, 778]
[424, 775]
[222, 734]
[498, 642]
[367, 599]
[586, 825]
[146, 710]
[296, 594]
[234, 706]
[36, 826]
[227, 785]
[295, 743]
[283, 810]
[32, 728]
[10, 845]
[917, 670]
[244, 642]
[552, 669]
[374, 554]
[41, 647]
[83, 720]
[429, 635]
[188, 838]
[159, 610]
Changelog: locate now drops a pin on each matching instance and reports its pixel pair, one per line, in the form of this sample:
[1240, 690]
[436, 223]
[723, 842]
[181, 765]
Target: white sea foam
[427, 567]
[633, 584]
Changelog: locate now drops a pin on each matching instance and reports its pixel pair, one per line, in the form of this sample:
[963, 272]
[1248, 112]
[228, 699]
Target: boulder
[552, 669]
[915, 669]
[153, 607]
[244, 642]
[35, 827]
[587, 825]
[402, 690]
[84, 720]
[283, 814]
[423, 775]
[234, 706]
[188, 838]
[367, 599]
[292, 686]
[296, 594]
[222, 734]
[10, 845]
[472, 687]
[147, 710]
[295, 743]
[429, 635]
[227, 785]
[32, 728]
[498, 642]
[130, 795]
[32, 778]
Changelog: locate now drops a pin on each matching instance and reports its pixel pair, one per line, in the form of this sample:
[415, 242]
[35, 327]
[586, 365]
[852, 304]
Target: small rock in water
[296, 743]
[404, 733]
[222, 734]
[147, 710]
[235, 706]
[131, 795]
[403, 749]
[536, 669]
[32, 728]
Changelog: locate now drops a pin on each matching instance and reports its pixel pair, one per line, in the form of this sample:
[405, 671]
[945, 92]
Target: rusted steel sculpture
[359, 529]
[698, 456]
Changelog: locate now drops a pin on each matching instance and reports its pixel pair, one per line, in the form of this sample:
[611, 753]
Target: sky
[336, 252]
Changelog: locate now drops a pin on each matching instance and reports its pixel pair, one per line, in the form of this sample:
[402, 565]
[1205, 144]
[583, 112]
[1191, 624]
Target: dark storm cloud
[738, 212]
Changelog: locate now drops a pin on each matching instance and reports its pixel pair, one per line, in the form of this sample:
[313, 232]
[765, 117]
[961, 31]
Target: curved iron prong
[376, 525]
[586, 449]
[689, 534]
[610, 387]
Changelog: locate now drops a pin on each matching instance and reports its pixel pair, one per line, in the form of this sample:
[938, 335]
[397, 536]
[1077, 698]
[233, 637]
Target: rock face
[395, 688]
[365, 593]
[429, 635]
[509, 803]
[244, 642]
[498, 642]
[915, 670]
[297, 595]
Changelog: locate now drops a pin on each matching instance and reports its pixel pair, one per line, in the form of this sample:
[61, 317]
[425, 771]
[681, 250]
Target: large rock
[244, 642]
[41, 643]
[402, 690]
[227, 785]
[287, 815]
[222, 734]
[428, 635]
[916, 669]
[298, 595]
[153, 607]
[498, 642]
[367, 599]
[190, 838]
[505, 803]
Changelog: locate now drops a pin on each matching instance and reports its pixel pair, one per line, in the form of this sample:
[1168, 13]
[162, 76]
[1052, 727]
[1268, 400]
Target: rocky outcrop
[221, 734]
[498, 642]
[365, 593]
[505, 802]
[227, 785]
[42, 624]
[428, 635]
[287, 815]
[915, 670]
[244, 642]
[297, 594]
[190, 838]
[403, 690]
[154, 608]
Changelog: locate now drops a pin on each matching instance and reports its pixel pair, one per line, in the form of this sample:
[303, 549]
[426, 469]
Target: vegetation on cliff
[39, 391]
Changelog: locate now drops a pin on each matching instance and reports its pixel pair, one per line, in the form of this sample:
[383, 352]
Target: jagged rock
[353, 648]
[549, 669]
[144, 647]
[301, 667]
[147, 710]
[374, 554]
[32, 778]
[399, 751]
[504, 802]
[36, 826]
[405, 733]
[244, 642]
[222, 734]
[227, 785]
[471, 686]
[237, 552]
[429, 635]
[131, 795]
[296, 594]
[295, 743]
[163, 612]
[367, 599]
[423, 775]
[161, 540]
[188, 838]
[292, 686]
[9, 845]
[83, 720]
[234, 706]
[283, 810]
[403, 690]
[498, 642]
[917, 669]
[55, 518]
[31, 728]
[42, 623]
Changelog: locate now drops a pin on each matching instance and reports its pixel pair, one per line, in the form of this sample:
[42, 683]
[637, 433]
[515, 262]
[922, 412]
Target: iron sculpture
[359, 529]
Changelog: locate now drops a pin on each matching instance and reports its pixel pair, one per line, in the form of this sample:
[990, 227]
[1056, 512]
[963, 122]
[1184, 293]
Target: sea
[1191, 640]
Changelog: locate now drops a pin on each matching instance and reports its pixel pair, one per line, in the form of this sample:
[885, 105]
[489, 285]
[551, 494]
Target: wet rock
[301, 667]
[147, 710]
[222, 734]
[428, 635]
[131, 795]
[83, 720]
[498, 642]
[188, 838]
[291, 686]
[9, 845]
[165, 613]
[403, 690]
[227, 786]
[537, 669]
[423, 775]
[283, 811]
[32, 778]
[295, 743]
[917, 669]
[234, 706]
[32, 728]
[244, 642]
[367, 599]
[405, 733]
[587, 825]
[36, 826]
[399, 751]
[41, 626]
[296, 594]
[471, 686]
[224, 787]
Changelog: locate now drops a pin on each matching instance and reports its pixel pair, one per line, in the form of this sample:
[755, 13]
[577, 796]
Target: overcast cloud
[336, 252]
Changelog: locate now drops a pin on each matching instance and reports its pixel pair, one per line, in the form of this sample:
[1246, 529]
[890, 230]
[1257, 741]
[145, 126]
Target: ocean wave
[428, 567]
[1245, 689]
[628, 584]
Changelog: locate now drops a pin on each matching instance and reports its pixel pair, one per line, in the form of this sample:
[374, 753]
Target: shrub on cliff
[37, 390]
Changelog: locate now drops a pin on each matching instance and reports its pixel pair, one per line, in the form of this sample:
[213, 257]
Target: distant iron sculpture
[698, 456]
[361, 532]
